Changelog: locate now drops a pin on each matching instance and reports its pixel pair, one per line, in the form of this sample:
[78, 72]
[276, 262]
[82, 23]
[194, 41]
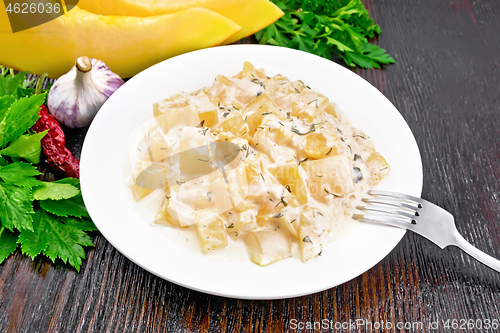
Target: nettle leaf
[26, 146]
[5, 103]
[34, 241]
[54, 191]
[20, 174]
[65, 241]
[66, 207]
[82, 224]
[8, 243]
[22, 114]
[42, 232]
[56, 239]
[73, 206]
[9, 84]
[69, 180]
[15, 207]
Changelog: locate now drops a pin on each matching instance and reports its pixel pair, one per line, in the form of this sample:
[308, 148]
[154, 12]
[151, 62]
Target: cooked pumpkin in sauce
[257, 159]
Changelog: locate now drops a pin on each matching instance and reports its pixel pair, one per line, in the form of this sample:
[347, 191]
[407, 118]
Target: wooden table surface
[446, 84]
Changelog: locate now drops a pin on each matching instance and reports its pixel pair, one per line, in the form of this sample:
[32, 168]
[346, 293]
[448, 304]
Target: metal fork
[420, 216]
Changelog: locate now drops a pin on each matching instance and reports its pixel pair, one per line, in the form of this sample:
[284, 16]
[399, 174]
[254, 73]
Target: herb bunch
[328, 28]
[42, 217]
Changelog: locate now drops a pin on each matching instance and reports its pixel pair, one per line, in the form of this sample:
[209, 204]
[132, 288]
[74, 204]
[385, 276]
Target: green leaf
[326, 28]
[42, 232]
[286, 22]
[356, 38]
[269, 32]
[21, 115]
[309, 31]
[65, 241]
[5, 103]
[15, 207]
[8, 243]
[67, 207]
[276, 37]
[9, 84]
[385, 59]
[323, 50]
[361, 60]
[367, 48]
[33, 242]
[69, 180]
[56, 239]
[304, 44]
[83, 224]
[342, 47]
[377, 54]
[55, 191]
[26, 146]
[259, 34]
[20, 174]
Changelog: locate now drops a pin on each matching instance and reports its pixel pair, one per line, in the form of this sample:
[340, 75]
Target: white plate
[111, 206]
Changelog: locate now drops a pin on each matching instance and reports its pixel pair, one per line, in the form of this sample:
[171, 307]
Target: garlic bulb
[75, 97]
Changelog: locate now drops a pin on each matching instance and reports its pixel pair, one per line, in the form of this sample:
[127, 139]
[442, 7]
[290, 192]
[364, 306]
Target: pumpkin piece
[290, 177]
[225, 92]
[126, 44]
[309, 105]
[211, 230]
[174, 112]
[257, 111]
[329, 176]
[379, 168]
[194, 155]
[319, 145]
[252, 15]
[268, 246]
[207, 112]
[312, 234]
[138, 191]
[233, 123]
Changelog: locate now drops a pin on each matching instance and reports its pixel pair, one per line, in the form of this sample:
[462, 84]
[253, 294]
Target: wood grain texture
[446, 85]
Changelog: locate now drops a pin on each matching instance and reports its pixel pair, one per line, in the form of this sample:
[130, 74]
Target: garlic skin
[76, 97]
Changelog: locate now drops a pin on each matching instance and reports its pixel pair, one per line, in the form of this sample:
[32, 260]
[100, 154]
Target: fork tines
[391, 208]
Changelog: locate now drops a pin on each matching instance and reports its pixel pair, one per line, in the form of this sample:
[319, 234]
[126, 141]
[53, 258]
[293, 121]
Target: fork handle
[479, 255]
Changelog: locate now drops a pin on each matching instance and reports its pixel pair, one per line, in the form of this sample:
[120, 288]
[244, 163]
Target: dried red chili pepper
[54, 145]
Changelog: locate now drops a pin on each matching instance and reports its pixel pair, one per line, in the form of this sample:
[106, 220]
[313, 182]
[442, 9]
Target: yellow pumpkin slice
[127, 45]
[251, 15]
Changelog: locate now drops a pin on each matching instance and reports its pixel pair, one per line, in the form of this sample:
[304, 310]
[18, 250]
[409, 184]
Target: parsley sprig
[328, 28]
[42, 217]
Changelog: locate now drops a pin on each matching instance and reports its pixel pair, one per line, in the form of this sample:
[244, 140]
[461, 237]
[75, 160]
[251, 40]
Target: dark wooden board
[446, 84]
